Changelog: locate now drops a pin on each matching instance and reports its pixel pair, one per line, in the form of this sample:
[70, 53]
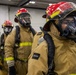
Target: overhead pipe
[23, 2]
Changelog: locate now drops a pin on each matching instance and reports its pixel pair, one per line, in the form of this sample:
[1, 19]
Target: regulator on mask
[24, 19]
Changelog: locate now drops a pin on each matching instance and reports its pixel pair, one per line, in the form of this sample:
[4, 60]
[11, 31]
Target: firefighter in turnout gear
[7, 28]
[56, 55]
[18, 44]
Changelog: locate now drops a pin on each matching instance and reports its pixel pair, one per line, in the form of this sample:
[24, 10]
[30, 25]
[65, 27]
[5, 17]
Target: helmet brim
[44, 16]
[16, 20]
[46, 27]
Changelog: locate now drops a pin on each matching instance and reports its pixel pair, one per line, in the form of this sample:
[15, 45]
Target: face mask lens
[22, 16]
[25, 19]
[65, 22]
[68, 22]
[7, 30]
[69, 27]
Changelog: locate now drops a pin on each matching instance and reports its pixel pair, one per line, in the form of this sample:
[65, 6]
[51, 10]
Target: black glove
[1, 67]
[12, 70]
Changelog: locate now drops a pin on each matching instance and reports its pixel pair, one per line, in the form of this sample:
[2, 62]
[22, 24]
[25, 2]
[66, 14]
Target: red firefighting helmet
[58, 11]
[20, 11]
[7, 23]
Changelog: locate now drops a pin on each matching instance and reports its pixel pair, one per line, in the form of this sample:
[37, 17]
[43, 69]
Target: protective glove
[12, 70]
[1, 67]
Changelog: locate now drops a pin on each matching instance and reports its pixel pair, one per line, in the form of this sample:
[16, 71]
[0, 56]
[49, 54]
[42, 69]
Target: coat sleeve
[9, 45]
[37, 64]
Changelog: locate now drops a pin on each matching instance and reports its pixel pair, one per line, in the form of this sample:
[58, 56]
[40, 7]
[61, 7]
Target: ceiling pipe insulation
[23, 2]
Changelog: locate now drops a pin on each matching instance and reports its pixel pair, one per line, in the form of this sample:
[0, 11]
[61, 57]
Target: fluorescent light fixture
[50, 4]
[32, 2]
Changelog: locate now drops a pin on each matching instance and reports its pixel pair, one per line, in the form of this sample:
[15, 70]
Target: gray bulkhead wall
[3, 16]
[7, 12]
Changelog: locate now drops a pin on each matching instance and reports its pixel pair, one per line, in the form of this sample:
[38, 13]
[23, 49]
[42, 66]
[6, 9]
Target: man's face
[66, 21]
[7, 29]
[25, 19]
[68, 26]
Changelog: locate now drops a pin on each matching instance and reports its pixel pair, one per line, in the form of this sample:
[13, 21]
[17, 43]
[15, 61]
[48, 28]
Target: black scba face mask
[70, 29]
[7, 30]
[24, 20]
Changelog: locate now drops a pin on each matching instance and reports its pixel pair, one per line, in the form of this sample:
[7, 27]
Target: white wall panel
[9, 13]
[3, 16]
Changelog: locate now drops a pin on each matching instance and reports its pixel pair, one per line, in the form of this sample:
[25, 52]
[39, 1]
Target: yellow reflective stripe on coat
[72, 74]
[9, 58]
[25, 44]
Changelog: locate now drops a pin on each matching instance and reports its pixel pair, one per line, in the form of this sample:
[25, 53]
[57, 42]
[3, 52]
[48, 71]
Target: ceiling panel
[38, 3]
[9, 2]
